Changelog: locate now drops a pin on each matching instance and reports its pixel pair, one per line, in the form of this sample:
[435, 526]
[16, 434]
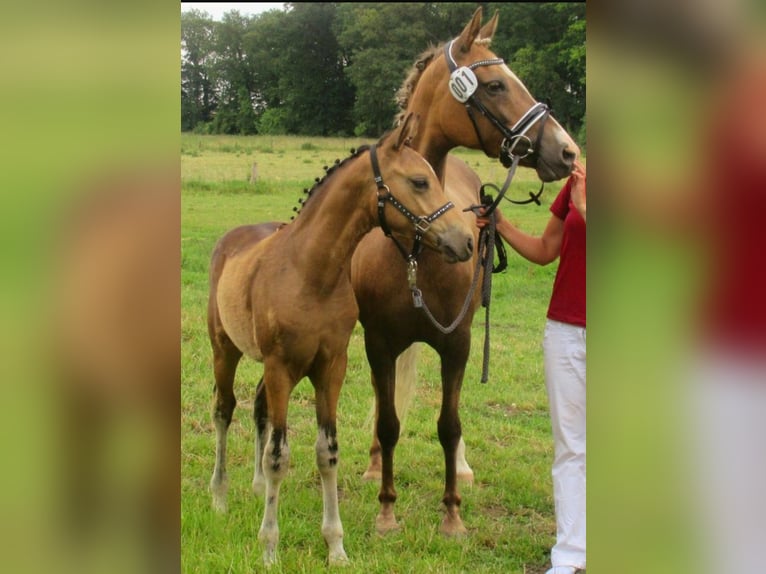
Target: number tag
[462, 84]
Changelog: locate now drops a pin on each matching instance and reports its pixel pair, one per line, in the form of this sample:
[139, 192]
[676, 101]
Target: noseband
[463, 85]
[421, 223]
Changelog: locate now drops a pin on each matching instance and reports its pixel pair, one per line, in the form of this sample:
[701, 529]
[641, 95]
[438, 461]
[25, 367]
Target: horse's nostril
[568, 156]
[469, 245]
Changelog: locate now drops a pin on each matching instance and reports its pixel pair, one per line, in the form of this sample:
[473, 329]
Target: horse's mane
[404, 93]
[329, 170]
[411, 80]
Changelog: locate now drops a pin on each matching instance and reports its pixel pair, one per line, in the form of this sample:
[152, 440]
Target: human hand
[481, 219]
[578, 188]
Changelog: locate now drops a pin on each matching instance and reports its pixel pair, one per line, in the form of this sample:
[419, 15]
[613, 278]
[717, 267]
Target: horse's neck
[430, 142]
[333, 222]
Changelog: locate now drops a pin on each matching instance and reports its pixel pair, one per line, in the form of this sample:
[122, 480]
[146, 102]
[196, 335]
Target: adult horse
[466, 96]
[286, 301]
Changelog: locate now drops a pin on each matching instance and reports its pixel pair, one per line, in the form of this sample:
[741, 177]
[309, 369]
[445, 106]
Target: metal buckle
[422, 225]
[508, 145]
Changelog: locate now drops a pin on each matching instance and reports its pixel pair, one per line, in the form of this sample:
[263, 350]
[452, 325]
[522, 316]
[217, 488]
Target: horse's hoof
[453, 528]
[220, 506]
[338, 558]
[269, 558]
[219, 502]
[372, 474]
[386, 525]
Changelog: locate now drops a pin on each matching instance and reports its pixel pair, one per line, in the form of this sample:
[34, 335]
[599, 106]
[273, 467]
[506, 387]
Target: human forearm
[541, 250]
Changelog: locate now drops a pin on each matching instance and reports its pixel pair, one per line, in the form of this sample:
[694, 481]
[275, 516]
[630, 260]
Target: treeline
[332, 69]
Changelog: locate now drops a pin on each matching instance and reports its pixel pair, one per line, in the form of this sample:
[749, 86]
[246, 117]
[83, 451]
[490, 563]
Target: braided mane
[329, 170]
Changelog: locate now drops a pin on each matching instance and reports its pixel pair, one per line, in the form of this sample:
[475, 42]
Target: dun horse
[285, 299]
[486, 108]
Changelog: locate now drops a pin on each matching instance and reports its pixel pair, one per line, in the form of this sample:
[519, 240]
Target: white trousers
[564, 353]
[728, 474]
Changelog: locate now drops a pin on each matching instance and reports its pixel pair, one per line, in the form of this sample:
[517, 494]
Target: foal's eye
[419, 183]
[495, 87]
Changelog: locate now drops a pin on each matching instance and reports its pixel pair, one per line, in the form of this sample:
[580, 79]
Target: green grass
[508, 510]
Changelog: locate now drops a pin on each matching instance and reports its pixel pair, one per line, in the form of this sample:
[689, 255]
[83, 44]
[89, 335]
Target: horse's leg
[327, 385]
[406, 382]
[453, 360]
[276, 455]
[261, 418]
[383, 366]
[225, 360]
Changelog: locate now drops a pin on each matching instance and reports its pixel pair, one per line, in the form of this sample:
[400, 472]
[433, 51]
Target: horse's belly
[236, 313]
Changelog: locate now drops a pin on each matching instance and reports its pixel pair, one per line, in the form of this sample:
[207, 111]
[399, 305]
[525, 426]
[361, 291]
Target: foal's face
[413, 183]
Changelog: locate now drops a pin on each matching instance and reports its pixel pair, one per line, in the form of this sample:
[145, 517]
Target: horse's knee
[276, 456]
[449, 432]
[223, 408]
[327, 450]
[388, 431]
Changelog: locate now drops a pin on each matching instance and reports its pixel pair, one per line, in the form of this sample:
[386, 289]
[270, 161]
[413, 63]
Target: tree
[544, 44]
[381, 41]
[198, 99]
[234, 80]
[325, 68]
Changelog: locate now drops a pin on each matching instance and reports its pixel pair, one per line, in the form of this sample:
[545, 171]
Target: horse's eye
[495, 87]
[419, 183]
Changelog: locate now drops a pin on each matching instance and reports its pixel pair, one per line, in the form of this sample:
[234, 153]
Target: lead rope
[485, 264]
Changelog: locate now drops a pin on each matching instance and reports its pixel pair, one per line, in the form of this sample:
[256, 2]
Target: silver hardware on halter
[508, 145]
[412, 272]
[422, 225]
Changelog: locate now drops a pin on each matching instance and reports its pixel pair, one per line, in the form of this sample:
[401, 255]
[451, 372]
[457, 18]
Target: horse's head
[412, 206]
[475, 100]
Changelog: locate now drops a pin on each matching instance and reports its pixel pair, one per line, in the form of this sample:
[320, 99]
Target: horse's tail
[406, 382]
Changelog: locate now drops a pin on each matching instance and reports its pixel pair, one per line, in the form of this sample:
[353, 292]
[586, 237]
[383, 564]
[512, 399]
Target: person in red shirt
[564, 356]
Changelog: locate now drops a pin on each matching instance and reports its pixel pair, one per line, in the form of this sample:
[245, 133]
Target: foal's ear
[470, 32]
[488, 31]
[408, 130]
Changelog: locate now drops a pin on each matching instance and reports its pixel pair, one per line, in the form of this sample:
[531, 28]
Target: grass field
[509, 508]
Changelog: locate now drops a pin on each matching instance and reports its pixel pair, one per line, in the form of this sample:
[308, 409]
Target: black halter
[421, 222]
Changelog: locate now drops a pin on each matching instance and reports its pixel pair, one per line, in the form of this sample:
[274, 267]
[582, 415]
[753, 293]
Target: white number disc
[462, 84]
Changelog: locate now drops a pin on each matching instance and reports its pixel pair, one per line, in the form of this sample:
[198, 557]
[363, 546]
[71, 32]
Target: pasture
[508, 510]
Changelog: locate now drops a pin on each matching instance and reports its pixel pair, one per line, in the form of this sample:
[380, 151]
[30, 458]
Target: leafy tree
[544, 44]
[325, 68]
[234, 80]
[300, 68]
[381, 41]
[198, 99]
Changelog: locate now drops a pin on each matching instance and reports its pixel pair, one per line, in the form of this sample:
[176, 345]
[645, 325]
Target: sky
[218, 9]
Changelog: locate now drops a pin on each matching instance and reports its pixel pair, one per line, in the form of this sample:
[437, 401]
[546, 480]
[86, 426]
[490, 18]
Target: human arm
[541, 250]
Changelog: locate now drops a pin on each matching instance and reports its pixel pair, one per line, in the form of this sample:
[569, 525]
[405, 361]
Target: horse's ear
[488, 31]
[470, 32]
[408, 130]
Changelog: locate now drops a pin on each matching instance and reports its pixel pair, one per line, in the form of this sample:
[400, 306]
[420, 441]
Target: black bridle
[421, 223]
[463, 85]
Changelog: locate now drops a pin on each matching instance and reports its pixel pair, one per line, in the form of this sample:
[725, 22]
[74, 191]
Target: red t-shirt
[734, 314]
[568, 298]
